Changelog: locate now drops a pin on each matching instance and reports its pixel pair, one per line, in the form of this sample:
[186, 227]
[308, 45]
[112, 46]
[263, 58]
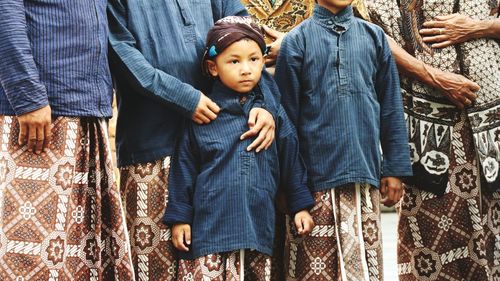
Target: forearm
[487, 29]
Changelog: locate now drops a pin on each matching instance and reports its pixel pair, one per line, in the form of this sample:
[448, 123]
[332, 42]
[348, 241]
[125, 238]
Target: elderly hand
[458, 89]
[34, 128]
[273, 48]
[260, 122]
[449, 30]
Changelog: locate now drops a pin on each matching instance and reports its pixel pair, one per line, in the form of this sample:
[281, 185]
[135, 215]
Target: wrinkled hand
[181, 236]
[34, 128]
[448, 30]
[303, 222]
[206, 111]
[260, 122]
[458, 89]
[273, 48]
[391, 189]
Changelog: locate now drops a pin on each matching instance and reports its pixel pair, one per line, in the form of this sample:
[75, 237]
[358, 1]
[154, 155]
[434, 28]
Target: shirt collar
[228, 99]
[326, 18]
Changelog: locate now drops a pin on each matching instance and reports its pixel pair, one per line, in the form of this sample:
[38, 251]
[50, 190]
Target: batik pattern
[144, 189]
[227, 267]
[346, 242]
[61, 215]
[454, 236]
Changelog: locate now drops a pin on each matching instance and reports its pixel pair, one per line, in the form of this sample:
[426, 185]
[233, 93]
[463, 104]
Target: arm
[288, 70]
[393, 132]
[19, 77]
[182, 179]
[151, 82]
[456, 28]
[458, 89]
[293, 176]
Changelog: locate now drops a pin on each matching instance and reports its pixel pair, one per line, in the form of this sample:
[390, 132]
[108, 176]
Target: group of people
[232, 172]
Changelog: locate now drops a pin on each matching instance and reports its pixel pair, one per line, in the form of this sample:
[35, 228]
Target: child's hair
[227, 31]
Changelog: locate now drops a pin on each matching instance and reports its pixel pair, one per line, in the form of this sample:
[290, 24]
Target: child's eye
[234, 61]
[254, 59]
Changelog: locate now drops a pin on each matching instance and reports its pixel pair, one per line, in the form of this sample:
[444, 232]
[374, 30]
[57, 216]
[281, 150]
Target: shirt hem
[339, 182]
[151, 155]
[230, 248]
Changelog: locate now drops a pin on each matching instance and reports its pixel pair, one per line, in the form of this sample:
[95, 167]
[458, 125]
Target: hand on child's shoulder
[181, 236]
[304, 222]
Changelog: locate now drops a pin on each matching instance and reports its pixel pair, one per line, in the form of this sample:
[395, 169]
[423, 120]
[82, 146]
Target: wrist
[481, 29]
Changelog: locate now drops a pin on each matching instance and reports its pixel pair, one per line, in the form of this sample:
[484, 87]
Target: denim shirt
[340, 87]
[224, 192]
[156, 50]
[54, 52]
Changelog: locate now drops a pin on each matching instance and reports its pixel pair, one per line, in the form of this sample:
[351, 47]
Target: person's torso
[69, 46]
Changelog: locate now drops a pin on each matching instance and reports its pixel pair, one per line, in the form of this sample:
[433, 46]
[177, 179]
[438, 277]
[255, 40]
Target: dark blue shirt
[340, 87]
[54, 52]
[157, 47]
[224, 192]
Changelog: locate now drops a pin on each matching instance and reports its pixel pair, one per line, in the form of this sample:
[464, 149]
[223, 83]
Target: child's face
[239, 66]
[335, 6]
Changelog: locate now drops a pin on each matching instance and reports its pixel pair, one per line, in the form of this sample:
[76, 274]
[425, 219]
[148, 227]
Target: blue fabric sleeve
[393, 132]
[224, 8]
[293, 176]
[287, 75]
[150, 81]
[184, 170]
[19, 75]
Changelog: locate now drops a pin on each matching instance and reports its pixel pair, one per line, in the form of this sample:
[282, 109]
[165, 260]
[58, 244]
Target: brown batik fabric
[346, 242]
[227, 267]
[61, 215]
[454, 236]
[144, 189]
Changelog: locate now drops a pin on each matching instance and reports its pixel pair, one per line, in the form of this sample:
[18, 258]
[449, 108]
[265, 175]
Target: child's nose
[245, 69]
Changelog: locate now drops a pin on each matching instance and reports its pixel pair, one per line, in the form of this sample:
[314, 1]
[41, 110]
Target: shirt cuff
[178, 213]
[299, 201]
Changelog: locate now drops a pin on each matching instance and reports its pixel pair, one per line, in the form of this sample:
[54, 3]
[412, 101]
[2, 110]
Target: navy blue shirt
[54, 52]
[224, 192]
[157, 47]
[340, 87]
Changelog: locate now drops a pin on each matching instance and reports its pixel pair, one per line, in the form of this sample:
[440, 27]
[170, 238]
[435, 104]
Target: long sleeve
[182, 179]
[150, 81]
[293, 176]
[287, 75]
[224, 8]
[393, 132]
[19, 76]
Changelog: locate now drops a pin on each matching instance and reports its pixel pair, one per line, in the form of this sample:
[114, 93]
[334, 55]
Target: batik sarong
[144, 189]
[455, 236]
[346, 242]
[61, 215]
[228, 266]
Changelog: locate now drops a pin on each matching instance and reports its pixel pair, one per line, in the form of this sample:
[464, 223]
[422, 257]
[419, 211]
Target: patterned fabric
[455, 236]
[61, 214]
[227, 266]
[430, 112]
[144, 188]
[346, 242]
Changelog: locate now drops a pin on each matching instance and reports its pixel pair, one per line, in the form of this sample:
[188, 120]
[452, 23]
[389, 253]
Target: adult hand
[273, 49]
[303, 222]
[34, 128]
[458, 89]
[181, 236]
[448, 30]
[391, 189]
[206, 111]
[261, 122]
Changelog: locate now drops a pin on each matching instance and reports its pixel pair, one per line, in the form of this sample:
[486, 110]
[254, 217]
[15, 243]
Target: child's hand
[181, 236]
[304, 222]
[391, 190]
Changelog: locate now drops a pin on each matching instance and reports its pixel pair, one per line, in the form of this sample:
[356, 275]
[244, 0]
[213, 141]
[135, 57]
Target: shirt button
[330, 22]
[243, 99]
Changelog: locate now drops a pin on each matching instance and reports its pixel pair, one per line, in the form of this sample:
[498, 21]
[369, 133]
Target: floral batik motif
[61, 216]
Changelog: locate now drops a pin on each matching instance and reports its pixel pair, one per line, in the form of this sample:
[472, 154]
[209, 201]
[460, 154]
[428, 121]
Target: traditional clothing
[340, 87]
[449, 224]
[62, 216]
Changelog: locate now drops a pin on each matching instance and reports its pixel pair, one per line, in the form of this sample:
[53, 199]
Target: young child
[340, 87]
[221, 200]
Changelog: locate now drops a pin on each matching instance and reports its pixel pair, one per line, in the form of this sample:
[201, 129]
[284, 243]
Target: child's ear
[212, 68]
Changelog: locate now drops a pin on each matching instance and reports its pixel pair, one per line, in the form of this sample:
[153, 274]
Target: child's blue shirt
[340, 87]
[224, 192]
